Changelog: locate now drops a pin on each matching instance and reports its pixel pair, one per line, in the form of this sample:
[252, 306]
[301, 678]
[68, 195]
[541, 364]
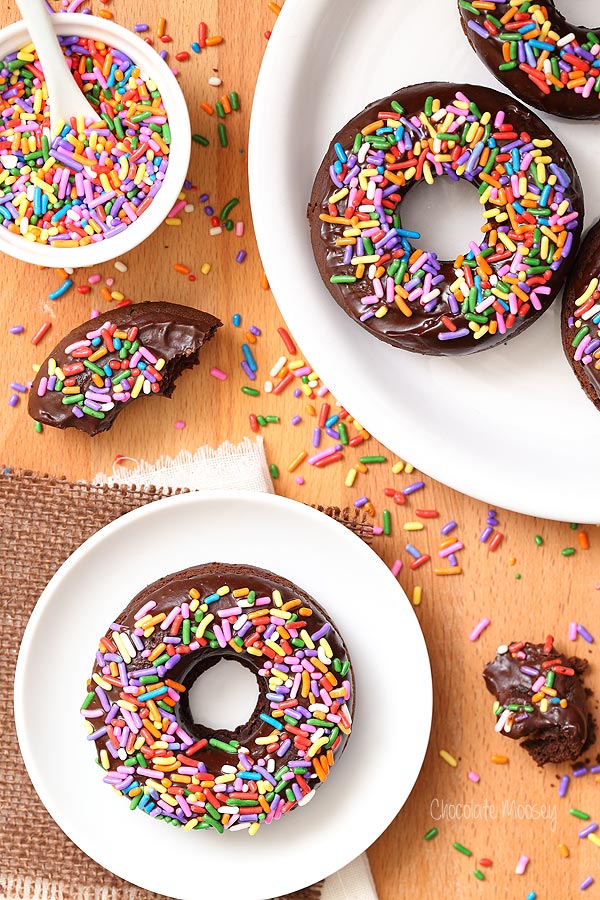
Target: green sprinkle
[429, 835]
[539, 540]
[272, 419]
[387, 522]
[252, 392]
[343, 432]
[372, 459]
[222, 135]
[220, 110]
[568, 551]
[136, 799]
[261, 420]
[234, 100]
[479, 874]
[274, 471]
[464, 850]
[88, 700]
[221, 745]
[578, 814]
[227, 208]
[200, 139]
[342, 279]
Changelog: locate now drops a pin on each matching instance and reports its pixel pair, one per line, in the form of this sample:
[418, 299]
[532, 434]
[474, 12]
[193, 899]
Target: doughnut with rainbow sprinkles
[532, 49]
[379, 272]
[137, 710]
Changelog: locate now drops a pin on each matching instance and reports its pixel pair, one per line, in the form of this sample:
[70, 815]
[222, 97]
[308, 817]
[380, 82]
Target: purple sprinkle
[485, 534]
[17, 386]
[362, 501]
[415, 486]
[585, 634]
[564, 784]
[296, 420]
[586, 883]
[241, 256]
[577, 773]
[209, 211]
[16, 329]
[589, 829]
[140, 27]
[448, 527]
[13, 399]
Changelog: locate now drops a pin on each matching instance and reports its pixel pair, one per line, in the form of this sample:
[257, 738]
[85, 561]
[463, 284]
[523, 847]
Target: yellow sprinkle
[594, 839]
[413, 526]
[447, 757]
[205, 268]
[397, 467]
[416, 595]
[104, 760]
[350, 477]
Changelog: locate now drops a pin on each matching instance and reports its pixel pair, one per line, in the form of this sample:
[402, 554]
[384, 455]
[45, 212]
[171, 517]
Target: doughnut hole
[447, 214]
[580, 12]
[222, 697]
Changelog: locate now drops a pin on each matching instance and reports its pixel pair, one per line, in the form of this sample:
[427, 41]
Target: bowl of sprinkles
[89, 191]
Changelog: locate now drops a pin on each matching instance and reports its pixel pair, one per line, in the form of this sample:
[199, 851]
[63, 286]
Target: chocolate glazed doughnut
[580, 322]
[137, 711]
[532, 49]
[377, 271]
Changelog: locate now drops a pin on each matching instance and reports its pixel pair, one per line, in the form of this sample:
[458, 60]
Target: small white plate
[510, 426]
[333, 565]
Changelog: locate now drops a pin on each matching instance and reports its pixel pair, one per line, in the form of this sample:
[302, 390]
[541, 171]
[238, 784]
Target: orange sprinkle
[207, 108]
[183, 270]
[160, 26]
[275, 8]
[264, 281]
[584, 541]
[213, 41]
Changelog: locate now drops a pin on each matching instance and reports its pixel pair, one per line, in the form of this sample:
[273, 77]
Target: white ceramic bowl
[14, 36]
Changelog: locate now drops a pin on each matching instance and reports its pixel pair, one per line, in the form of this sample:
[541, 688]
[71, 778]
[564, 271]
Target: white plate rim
[414, 440]
[420, 740]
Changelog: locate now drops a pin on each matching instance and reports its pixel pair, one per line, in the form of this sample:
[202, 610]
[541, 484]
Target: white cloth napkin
[242, 466]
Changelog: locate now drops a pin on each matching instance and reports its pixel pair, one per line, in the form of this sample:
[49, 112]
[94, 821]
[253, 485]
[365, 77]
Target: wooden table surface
[526, 590]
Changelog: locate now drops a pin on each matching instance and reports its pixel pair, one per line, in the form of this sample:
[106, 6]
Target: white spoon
[64, 97]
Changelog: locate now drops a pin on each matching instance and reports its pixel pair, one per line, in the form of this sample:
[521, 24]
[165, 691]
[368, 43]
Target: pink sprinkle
[109, 282]
[572, 631]
[93, 279]
[521, 865]
[179, 424]
[479, 628]
[473, 776]
[217, 373]
[396, 567]
[299, 479]
[239, 229]
[94, 314]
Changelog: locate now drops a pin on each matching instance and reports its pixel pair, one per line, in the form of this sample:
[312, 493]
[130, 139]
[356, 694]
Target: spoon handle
[57, 74]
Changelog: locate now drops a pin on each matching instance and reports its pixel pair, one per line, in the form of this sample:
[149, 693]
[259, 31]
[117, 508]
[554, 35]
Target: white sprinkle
[189, 208]
[215, 81]
[120, 266]
[216, 230]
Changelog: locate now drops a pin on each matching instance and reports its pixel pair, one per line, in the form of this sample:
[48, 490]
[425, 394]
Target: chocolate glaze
[170, 330]
[171, 591]
[586, 268]
[562, 731]
[565, 103]
[419, 333]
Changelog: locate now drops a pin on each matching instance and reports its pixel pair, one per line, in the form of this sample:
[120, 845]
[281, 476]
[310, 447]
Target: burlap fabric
[42, 521]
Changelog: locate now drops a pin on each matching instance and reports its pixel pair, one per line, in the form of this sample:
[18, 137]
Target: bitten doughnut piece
[539, 697]
[104, 364]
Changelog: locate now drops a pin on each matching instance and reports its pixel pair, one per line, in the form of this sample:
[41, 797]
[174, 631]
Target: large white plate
[510, 426]
[334, 566]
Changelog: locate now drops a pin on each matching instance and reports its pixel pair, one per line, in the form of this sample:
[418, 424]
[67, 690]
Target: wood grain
[551, 591]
